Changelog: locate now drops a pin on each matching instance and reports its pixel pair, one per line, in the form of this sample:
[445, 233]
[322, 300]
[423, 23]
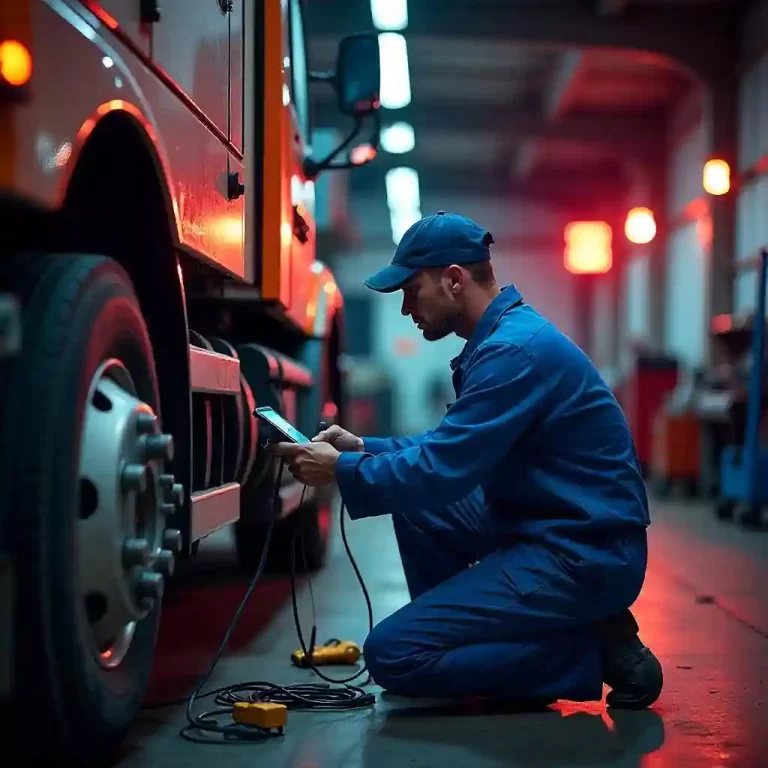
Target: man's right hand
[340, 439]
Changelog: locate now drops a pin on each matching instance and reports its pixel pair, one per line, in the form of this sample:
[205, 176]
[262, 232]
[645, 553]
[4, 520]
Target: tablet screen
[271, 416]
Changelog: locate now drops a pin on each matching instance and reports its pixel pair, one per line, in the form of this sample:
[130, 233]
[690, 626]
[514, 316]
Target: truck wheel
[81, 472]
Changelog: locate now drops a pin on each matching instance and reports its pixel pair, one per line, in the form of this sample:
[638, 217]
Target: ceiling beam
[566, 78]
[526, 160]
[567, 75]
[569, 188]
[645, 29]
[627, 136]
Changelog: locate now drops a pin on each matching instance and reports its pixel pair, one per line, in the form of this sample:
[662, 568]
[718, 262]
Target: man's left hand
[312, 464]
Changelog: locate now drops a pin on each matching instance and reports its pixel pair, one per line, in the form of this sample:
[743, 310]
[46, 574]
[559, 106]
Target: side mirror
[357, 80]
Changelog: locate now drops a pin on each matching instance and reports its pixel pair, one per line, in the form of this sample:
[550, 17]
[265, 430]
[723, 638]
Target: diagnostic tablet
[284, 427]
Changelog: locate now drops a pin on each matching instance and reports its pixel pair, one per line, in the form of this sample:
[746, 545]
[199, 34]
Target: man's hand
[340, 439]
[311, 464]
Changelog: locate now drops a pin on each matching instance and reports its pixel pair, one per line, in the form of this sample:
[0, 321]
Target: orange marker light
[640, 226]
[15, 63]
[362, 153]
[717, 177]
[588, 247]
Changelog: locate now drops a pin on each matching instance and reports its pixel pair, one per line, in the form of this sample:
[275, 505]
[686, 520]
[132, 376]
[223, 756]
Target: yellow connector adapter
[261, 714]
[333, 652]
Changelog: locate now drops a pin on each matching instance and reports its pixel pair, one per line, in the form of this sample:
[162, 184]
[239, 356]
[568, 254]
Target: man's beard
[437, 331]
[435, 334]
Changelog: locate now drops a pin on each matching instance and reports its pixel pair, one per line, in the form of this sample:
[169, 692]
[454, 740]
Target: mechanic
[521, 519]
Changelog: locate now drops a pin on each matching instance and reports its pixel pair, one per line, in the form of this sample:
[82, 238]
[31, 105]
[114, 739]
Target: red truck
[159, 281]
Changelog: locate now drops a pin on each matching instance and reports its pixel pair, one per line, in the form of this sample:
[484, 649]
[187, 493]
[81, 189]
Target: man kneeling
[521, 519]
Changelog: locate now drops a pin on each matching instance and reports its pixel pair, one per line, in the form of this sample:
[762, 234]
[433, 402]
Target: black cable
[304, 648]
[201, 728]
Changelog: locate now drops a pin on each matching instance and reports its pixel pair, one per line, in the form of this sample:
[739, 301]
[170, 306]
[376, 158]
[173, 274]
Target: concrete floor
[704, 610]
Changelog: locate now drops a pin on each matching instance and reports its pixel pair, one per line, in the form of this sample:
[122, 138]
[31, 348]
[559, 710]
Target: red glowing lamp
[588, 247]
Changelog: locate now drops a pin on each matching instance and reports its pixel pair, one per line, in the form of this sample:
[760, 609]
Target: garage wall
[603, 327]
[688, 245]
[634, 307]
[685, 319]
[752, 201]
[687, 250]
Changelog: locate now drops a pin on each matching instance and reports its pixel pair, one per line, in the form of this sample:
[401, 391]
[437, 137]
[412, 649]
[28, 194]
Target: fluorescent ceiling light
[398, 138]
[389, 14]
[401, 220]
[395, 91]
[402, 189]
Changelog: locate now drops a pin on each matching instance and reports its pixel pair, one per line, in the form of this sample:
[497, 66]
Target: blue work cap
[434, 241]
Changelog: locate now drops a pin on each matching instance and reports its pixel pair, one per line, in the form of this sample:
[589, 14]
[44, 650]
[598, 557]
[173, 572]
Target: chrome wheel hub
[125, 551]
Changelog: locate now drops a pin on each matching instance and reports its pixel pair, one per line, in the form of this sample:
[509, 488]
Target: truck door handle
[300, 226]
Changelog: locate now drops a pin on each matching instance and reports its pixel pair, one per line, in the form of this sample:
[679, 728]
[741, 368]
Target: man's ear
[456, 277]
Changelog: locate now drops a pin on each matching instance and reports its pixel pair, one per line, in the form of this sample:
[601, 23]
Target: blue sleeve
[376, 445]
[502, 395]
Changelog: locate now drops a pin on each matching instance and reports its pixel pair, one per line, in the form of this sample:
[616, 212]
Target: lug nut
[145, 422]
[176, 494]
[135, 552]
[166, 481]
[159, 447]
[167, 509]
[135, 478]
[149, 586]
[164, 562]
[172, 540]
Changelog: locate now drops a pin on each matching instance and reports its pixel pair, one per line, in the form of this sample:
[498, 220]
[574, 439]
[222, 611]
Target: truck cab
[158, 281]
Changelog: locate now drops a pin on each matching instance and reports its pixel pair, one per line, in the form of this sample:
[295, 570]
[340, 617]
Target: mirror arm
[374, 145]
[312, 168]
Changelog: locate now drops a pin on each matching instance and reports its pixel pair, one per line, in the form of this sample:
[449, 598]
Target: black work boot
[629, 668]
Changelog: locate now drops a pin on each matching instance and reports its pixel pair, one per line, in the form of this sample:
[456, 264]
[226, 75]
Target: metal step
[213, 373]
[214, 508]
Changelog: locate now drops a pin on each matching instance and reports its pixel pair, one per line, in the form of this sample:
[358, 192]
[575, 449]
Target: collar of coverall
[508, 297]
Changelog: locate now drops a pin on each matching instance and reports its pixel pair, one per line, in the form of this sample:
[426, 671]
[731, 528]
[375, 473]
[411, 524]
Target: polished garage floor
[704, 609]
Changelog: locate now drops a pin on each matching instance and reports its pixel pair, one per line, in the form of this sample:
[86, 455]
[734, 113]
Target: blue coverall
[532, 477]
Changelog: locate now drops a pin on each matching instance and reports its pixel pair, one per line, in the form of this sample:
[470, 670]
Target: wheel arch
[118, 203]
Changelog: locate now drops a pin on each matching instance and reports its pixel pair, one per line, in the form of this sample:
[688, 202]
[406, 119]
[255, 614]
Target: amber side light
[15, 63]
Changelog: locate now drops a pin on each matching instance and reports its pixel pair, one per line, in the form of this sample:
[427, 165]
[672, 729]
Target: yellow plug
[262, 714]
[333, 652]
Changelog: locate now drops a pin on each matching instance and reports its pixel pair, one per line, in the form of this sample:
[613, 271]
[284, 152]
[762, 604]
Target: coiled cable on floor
[207, 727]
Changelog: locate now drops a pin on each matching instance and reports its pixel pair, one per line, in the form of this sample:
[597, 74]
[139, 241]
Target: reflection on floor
[704, 610]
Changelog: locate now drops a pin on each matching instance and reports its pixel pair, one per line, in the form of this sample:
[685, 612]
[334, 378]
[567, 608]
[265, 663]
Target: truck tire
[81, 462]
